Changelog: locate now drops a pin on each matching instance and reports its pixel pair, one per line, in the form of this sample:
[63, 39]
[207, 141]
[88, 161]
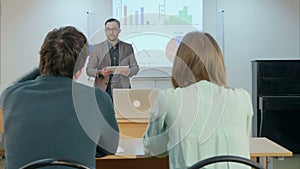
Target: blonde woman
[201, 117]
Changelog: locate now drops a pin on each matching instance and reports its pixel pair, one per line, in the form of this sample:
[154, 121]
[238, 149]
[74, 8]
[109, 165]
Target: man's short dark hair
[63, 52]
[113, 20]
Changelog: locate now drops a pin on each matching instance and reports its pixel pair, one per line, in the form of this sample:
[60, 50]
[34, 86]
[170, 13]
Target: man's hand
[105, 72]
[125, 72]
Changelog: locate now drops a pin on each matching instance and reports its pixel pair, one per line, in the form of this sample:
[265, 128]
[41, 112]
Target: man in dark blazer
[51, 115]
[112, 52]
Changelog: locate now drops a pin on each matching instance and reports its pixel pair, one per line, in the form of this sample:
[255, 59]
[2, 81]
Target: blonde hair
[198, 57]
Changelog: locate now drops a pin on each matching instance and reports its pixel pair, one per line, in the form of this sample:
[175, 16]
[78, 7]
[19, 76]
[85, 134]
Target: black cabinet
[276, 100]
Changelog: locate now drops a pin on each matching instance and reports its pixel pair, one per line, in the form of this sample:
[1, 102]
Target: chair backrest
[55, 162]
[226, 158]
[133, 103]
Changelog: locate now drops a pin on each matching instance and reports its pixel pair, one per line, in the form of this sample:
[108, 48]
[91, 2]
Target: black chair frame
[55, 162]
[226, 158]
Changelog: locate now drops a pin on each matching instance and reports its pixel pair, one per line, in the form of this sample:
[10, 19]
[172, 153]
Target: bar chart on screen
[156, 27]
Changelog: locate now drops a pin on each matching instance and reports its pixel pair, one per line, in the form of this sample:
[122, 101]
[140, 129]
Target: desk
[133, 127]
[264, 147]
[134, 157]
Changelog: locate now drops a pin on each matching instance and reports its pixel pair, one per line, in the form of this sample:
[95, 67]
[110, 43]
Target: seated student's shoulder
[241, 96]
[101, 93]
[90, 93]
[17, 87]
[168, 94]
[240, 92]
[93, 89]
[17, 90]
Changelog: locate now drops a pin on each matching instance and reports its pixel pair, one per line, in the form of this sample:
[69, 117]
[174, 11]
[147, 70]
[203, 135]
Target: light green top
[200, 121]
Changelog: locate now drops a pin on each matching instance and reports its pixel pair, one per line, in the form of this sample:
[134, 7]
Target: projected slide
[156, 27]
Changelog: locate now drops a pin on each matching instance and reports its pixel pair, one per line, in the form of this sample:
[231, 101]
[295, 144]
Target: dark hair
[63, 52]
[113, 20]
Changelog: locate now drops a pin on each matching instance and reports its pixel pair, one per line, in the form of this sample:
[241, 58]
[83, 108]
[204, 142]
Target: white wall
[26, 23]
[253, 29]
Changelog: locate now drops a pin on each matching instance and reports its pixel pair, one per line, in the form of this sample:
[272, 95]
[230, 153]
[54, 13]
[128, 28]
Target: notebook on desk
[133, 103]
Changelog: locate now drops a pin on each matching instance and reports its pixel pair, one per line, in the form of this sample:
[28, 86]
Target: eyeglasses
[111, 29]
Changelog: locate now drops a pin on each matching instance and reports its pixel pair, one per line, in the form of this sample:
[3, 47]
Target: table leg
[255, 159]
[265, 162]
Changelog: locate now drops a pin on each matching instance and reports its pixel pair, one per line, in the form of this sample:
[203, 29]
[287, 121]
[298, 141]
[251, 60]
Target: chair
[225, 158]
[55, 162]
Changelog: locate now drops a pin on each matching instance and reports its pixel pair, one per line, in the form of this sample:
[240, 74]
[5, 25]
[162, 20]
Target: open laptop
[133, 103]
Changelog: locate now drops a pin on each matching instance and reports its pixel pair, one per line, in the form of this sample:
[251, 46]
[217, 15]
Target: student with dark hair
[201, 117]
[52, 116]
[112, 52]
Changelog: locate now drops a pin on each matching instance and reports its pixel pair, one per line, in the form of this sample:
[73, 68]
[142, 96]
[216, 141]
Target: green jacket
[55, 117]
[200, 121]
